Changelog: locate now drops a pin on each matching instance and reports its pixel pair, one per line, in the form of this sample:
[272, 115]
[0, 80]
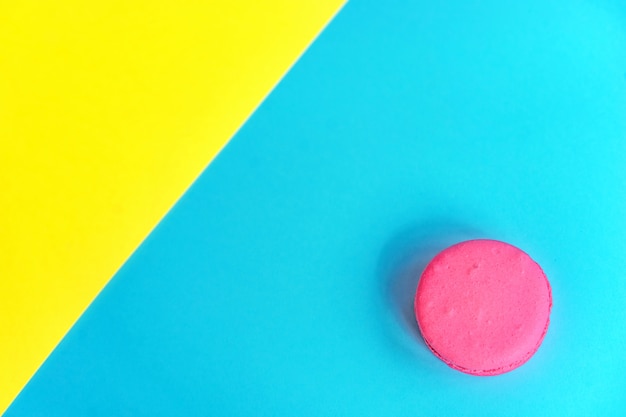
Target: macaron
[483, 306]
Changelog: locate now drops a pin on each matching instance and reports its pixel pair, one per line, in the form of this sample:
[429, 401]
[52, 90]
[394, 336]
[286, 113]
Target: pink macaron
[483, 306]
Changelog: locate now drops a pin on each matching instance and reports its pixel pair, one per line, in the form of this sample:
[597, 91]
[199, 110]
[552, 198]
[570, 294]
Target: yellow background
[108, 112]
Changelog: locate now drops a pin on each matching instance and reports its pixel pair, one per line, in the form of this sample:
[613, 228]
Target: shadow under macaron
[402, 260]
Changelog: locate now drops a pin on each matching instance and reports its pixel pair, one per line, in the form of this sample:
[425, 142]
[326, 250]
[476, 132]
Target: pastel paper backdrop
[108, 112]
[280, 282]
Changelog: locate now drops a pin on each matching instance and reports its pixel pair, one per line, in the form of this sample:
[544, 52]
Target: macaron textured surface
[483, 306]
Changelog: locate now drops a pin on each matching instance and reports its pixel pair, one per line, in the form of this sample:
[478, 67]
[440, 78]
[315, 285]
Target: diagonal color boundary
[107, 114]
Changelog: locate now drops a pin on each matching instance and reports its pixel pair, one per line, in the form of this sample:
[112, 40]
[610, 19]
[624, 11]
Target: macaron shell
[483, 306]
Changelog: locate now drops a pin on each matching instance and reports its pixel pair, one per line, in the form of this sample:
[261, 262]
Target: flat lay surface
[108, 112]
[282, 282]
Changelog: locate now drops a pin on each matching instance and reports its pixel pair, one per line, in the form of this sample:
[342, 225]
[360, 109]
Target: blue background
[282, 282]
